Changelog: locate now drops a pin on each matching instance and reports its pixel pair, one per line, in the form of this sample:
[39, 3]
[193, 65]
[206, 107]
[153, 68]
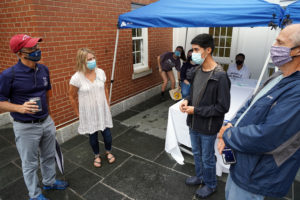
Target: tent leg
[262, 73]
[114, 66]
[186, 34]
[265, 66]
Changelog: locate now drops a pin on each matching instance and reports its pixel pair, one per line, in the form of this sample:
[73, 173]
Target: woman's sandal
[110, 157]
[97, 164]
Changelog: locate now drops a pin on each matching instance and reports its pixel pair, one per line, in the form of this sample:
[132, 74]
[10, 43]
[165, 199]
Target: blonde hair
[81, 59]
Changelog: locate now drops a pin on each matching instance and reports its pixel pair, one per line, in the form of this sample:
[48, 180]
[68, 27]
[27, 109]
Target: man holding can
[24, 92]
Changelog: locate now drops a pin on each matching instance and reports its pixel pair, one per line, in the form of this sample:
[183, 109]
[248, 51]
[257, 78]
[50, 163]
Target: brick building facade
[66, 26]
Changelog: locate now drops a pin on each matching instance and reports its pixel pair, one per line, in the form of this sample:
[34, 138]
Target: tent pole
[114, 65]
[265, 66]
[186, 34]
[262, 73]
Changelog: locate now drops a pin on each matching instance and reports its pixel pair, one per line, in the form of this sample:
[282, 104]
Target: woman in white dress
[89, 99]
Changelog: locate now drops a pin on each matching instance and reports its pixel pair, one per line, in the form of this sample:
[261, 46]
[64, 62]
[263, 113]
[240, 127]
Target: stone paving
[142, 171]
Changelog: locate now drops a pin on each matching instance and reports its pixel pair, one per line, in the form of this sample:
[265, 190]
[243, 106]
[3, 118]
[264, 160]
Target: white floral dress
[94, 112]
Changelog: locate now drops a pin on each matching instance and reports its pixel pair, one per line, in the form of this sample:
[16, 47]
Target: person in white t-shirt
[89, 99]
[238, 69]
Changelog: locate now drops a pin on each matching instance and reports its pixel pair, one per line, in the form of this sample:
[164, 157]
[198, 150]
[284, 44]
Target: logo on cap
[25, 37]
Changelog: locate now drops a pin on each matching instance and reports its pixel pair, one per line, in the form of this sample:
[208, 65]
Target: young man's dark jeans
[203, 148]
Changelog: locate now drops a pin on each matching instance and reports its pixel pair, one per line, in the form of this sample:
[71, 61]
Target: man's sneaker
[58, 185]
[194, 180]
[205, 192]
[40, 197]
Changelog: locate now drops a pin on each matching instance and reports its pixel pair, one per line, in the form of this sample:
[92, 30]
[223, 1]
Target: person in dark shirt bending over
[166, 62]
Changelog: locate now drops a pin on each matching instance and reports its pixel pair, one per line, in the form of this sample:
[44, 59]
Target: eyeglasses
[30, 50]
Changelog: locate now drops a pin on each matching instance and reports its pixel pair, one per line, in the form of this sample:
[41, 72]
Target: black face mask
[239, 62]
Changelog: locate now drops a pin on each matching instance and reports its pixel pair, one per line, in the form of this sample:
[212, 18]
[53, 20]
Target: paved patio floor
[142, 171]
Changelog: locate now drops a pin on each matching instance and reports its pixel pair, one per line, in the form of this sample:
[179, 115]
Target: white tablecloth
[178, 132]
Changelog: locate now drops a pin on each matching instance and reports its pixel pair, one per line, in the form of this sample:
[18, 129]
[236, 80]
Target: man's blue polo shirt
[19, 83]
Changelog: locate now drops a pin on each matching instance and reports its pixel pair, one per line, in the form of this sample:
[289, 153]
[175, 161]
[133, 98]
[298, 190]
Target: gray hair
[295, 35]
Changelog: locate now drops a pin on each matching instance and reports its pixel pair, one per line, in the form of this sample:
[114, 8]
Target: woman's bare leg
[172, 78]
[164, 77]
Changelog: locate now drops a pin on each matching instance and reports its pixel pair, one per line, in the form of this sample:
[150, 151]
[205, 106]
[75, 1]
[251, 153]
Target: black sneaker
[194, 180]
[162, 96]
[205, 192]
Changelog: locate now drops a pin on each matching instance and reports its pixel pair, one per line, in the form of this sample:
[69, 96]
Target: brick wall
[68, 25]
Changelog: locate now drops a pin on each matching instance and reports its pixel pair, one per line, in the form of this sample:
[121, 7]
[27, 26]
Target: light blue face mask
[91, 64]
[177, 53]
[197, 59]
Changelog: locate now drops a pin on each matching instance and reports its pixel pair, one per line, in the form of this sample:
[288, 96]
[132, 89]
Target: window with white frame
[139, 46]
[222, 38]
[223, 43]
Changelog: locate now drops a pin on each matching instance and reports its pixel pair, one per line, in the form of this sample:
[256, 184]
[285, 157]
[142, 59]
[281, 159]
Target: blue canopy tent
[292, 13]
[200, 13]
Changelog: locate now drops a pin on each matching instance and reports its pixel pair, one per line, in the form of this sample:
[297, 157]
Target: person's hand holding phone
[221, 143]
[221, 146]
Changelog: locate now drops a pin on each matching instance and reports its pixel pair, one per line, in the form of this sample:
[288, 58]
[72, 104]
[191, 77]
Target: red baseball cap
[20, 41]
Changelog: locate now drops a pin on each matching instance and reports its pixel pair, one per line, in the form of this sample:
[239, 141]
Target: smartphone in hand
[228, 156]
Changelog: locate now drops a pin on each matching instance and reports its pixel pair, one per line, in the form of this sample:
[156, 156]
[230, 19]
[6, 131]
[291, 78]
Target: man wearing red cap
[24, 92]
